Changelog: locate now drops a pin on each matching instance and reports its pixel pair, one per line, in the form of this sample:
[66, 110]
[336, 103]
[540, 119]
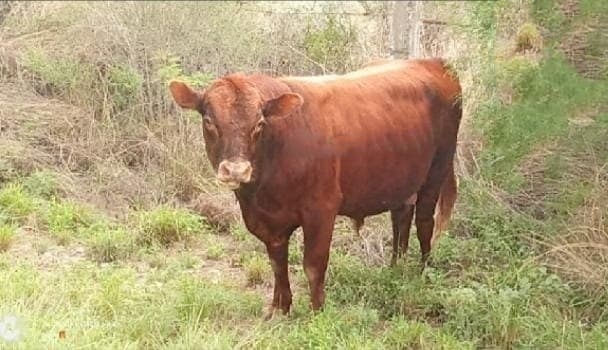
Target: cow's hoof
[274, 312]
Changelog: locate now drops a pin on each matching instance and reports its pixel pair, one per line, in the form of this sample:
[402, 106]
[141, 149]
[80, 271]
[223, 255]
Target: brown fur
[379, 139]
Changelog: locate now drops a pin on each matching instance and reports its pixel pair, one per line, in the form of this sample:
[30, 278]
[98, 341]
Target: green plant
[64, 76]
[65, 220]
[215, 251]
[170, 68]
[124, 84]
[199, 301]
[15, 202]
[257, 269]
[42, 184]
[7, 236]
[107, 243]
[528, 38]
[166, 225]
[330, 45]
[110, 299]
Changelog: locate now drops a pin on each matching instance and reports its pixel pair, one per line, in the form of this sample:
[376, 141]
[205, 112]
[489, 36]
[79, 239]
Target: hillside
[113, 233]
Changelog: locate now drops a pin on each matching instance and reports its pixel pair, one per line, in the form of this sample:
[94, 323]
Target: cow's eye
[258, 128]
[209, 125]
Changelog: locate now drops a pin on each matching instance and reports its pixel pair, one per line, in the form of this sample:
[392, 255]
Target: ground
[78, 276]
[113, 235]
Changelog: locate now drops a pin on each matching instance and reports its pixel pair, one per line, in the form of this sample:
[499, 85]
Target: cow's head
[234, 119]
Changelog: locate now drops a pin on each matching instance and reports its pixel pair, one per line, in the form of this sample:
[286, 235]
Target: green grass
[7, 236]
[487, 286]
[165, 226]
[108, 243]
[66, 220]
[257, 268]
[16, 202]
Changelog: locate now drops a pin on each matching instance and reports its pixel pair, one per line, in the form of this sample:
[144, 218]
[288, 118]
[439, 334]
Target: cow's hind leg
[425, 211]
[401, 221]
[318, 231]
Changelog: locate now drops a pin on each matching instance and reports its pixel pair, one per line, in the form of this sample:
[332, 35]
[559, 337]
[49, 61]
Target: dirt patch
[41, 251]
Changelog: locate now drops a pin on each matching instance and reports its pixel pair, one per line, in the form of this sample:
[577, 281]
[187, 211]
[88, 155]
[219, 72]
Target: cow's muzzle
[232, 174]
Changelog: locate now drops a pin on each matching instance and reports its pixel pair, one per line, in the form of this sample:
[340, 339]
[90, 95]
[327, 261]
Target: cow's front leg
[317, 241]
[278, 253]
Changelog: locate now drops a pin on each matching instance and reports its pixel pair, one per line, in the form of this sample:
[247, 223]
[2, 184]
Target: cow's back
[380, 128]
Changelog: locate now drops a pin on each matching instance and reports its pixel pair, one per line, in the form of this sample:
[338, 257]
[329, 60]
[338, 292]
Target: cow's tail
[447, 197]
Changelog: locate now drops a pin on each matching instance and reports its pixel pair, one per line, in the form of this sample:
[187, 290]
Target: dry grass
[581, 252]
[109, 127]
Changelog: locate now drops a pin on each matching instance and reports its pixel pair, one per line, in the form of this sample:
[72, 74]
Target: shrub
[165, 226]
[331, 44]
[62, 76]
[124, 84]
[170, 68]
[7, 235]
[41, 184]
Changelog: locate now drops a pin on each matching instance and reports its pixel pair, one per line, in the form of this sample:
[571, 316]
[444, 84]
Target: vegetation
[102, 182]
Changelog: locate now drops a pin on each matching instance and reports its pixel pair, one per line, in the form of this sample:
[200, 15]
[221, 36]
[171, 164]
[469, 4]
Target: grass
[66, 220]
[156, 276]
[257, 268]
[7, 236]
[165, 226]
[16, 202]
[107, 243]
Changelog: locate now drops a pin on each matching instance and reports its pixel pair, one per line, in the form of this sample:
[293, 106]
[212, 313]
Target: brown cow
[298, 151]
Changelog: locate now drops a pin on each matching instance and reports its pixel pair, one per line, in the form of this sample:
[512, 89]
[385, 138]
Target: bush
[41, 184]
[331, 44]
[124, 85]
[58, 76]
[165, 226]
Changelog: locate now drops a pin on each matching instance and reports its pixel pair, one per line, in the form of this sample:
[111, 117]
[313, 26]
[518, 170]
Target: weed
[41, 184]
[107, 243]
[198, 301]
[187, 261]
[215, 251]
[528, 38]
[7, 236]
[65, 220]
[257, 269]
[165, 226]
[15, 201]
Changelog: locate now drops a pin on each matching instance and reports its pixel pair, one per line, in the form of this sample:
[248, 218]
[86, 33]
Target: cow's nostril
[239, 171]
[223, 171]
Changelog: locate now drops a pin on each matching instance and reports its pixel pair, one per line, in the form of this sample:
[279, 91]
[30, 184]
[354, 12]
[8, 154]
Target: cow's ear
[183, 95]
[282, 106]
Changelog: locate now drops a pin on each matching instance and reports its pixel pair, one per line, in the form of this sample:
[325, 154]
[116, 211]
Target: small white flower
[9, 330]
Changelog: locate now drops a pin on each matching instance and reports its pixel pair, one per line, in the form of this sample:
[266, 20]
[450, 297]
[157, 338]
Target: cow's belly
[377, 183]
